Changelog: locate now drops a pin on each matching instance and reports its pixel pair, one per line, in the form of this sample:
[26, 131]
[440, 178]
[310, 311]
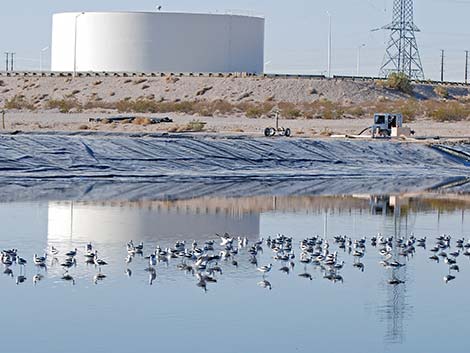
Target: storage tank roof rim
[254, 16]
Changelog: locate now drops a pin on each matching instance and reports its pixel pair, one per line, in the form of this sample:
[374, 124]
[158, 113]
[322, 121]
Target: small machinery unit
[389, 125]
[281, 131]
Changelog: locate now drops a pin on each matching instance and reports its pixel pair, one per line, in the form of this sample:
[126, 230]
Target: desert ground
[54, 121]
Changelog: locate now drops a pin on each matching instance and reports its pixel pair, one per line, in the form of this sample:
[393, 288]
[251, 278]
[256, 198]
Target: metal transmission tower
[402, 53]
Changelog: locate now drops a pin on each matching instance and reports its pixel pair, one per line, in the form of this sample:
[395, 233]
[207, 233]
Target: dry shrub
[326, 132]
[137, 106]
[83, 127]
[221, 107]
[19, 102]
[145, 87]
[400, 82]
[97, 83]
[450, 111]
[357, 111]
[195, 126]
[255, 110]
[409, 110]
[98, 103]
[143, 121]
[192, 126]
[64, 105]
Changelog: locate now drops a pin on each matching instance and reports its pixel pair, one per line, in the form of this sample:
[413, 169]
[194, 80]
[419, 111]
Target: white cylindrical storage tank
[157, 42]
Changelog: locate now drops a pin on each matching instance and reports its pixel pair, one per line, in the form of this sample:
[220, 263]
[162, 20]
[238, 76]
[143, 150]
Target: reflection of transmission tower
[393, 312]
[402, 55]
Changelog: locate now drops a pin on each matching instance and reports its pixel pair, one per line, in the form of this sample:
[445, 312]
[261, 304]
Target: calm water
[126, 314]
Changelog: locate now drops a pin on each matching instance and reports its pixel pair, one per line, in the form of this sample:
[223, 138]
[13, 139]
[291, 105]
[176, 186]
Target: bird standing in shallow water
[306, 275]
[39, 260]
[20, 261]
[72, 253]
[448, 278]
[68, 278]
[98, 277]
[38, 277]
[20, 279]
[99, 262]
[265, 284]
[265, 269]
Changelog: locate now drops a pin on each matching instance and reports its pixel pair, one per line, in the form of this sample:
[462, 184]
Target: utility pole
[6, 60]
[442, 65]
[466, 66]
[12, 61]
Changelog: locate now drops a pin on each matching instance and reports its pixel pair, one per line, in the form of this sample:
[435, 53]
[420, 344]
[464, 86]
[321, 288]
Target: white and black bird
[265, 269]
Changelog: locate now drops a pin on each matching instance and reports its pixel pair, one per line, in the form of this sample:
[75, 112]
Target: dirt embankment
[244, 105]
[39, 90]
[170, 89]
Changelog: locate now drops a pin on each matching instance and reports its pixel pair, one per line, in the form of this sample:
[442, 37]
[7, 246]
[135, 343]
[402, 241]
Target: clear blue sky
[296, 30]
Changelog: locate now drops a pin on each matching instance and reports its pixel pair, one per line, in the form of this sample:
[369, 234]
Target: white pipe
[329, 43]
[358, 68]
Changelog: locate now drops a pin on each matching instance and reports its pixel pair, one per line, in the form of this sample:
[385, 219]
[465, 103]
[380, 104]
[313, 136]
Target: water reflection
[103, 222]
[325, 231]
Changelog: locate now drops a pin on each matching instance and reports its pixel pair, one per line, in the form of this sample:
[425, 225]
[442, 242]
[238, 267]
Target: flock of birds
[205, 261]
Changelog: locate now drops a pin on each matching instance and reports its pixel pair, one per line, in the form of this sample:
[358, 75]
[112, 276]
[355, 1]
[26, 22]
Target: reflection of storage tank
[107, 223]
[157, 42]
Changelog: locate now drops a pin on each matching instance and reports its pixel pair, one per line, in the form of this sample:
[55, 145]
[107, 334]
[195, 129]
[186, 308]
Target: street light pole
[329, 43]
[43, 50]
[358, 68]
[75, 46]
